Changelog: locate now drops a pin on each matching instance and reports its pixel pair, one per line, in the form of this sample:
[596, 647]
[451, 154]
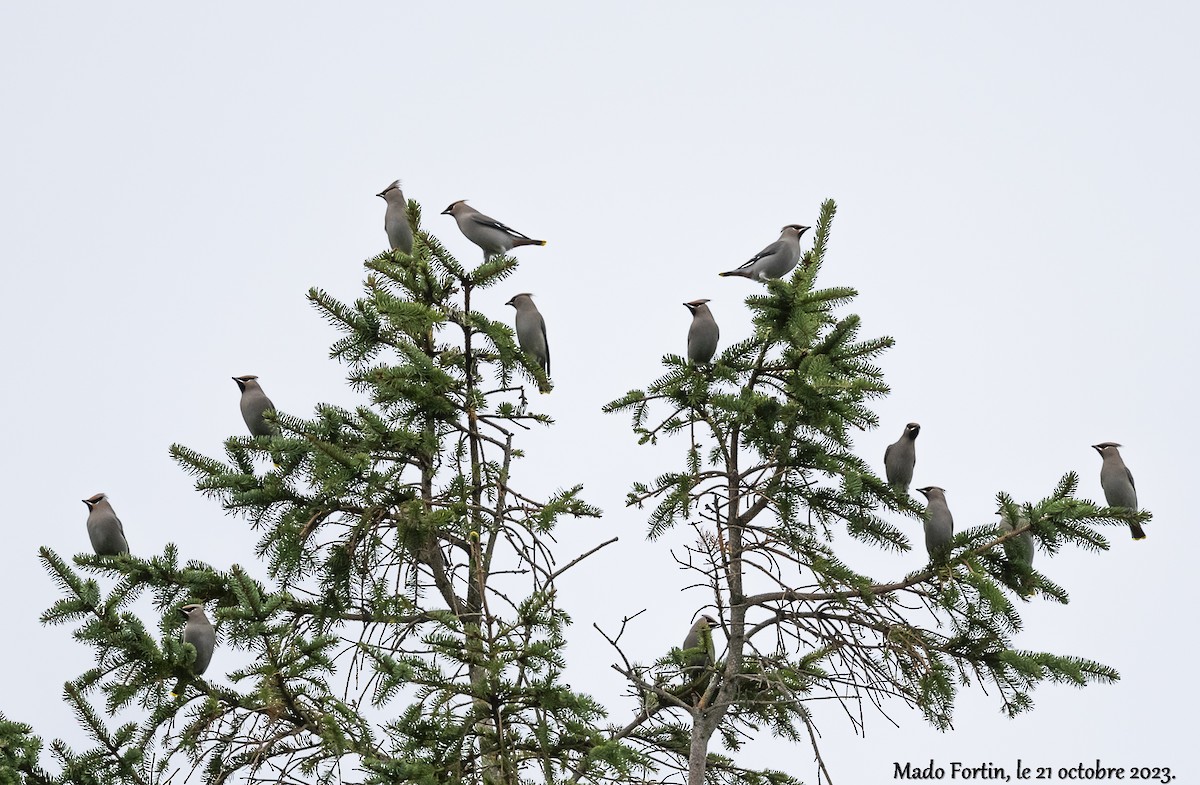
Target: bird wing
[120, 527]
[887, 452]
[492, 223]
[1129, 474]
[770, 250]
[545, 341]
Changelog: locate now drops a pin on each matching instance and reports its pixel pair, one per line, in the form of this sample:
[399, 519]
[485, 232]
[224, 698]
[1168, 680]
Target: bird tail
[735, 273]
[545, 388]
[1138, 532]
[527, 241]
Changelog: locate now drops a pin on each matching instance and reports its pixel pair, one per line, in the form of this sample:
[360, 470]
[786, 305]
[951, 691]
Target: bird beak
[381, 194]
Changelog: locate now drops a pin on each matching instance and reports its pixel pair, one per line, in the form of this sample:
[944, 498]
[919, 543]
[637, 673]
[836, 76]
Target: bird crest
[394, 185]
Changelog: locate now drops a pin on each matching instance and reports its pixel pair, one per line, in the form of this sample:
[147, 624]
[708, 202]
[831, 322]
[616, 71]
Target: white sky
[1017, 194]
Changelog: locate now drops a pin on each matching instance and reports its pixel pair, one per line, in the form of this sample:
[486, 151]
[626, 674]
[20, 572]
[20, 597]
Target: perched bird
[777, 259]
[254, 404]
[1018, 571]
[1021, 546]
[698, 644]
[703, 334]
[1019, 550]
[700, 654]
[395, 218]
[199, 632]
[696, 655]
[531, 331]
[104, 527]
[1117, 482]
[939, 523]
[488, 233]
[901, 456]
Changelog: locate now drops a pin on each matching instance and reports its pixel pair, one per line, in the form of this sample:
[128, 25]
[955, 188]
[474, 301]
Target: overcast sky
[1017, 201]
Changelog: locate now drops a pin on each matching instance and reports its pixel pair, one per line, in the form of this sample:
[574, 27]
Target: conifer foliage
[410, 632]
[767, 480]
[408, 628]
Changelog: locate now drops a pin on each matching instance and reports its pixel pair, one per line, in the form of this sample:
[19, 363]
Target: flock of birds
[107, 535]
[493, 237]
[900, 458]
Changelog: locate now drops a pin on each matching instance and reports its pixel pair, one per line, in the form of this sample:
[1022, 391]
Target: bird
[104, 527]
[939, 523]
[700, 654]
[901, 456]
[1019, 550]
[1021, 546]
[395, 218]
[486, 232]
[698, 644]
[254, 404]
[776, 260]
[199, 632]
[703, 334]
[531, 332]
[1117, 482]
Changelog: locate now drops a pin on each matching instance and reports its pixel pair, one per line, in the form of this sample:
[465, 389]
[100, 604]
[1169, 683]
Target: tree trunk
[702, 730]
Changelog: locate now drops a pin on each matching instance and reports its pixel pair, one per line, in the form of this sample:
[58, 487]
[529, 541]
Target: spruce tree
[767, 478]
[409, 629]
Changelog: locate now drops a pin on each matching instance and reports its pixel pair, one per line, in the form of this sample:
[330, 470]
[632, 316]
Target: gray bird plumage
[1021, 546]
[254, 404]
[776, 260]
[395, 218]
[703, 334]
[1019, 550]
[699, 643]
[700, 653]
[104, 527]
[939, 523]
[531, 331]
[199, 632]
[901, 456]
[486, 232]
[1117, 482]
